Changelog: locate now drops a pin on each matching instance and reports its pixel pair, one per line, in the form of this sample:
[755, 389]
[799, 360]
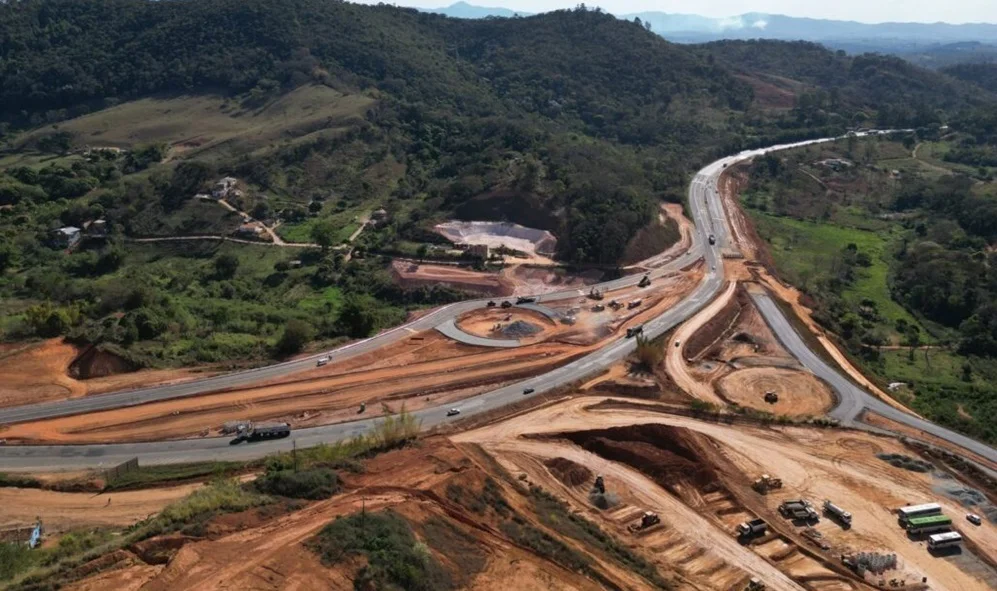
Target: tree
[358, 317]
[324, 234]
[226, 265]
[649, 353]
[913, 339]
[297, 334]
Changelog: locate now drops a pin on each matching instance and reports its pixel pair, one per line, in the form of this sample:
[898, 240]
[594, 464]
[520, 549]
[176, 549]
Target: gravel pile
[519, 329]
[906, 462]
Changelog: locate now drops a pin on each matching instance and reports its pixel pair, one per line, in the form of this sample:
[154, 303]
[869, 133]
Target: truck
[598, 308]
[595, 294]
[644, 281]
[253, 433]
[634, 304]
[750, 529]
[799, 510]
[525, 300]
[838, 513]
[634, 331]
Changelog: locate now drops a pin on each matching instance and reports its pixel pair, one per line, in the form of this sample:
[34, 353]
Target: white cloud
[760, 24]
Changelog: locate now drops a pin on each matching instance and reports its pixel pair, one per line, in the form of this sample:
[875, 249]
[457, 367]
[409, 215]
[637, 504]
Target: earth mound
[520, 329]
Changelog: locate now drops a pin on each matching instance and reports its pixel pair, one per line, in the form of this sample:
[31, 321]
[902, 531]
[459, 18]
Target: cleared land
[800, 393]
[215, 126]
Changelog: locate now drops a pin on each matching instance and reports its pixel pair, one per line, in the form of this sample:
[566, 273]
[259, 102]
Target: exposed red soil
[412, 275]
[568, 472]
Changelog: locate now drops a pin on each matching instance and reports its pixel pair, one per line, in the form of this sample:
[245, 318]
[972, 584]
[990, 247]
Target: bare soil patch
[568, 472]
[413, 275]
[800, 393]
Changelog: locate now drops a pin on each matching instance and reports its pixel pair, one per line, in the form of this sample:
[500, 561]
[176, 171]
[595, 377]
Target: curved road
[707, 215]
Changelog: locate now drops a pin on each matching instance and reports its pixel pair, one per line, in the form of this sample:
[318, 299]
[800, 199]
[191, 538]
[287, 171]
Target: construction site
[710, 455]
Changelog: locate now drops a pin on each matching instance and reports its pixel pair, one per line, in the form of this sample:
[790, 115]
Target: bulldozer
[766, 483]
[771, 397]
[648, 519]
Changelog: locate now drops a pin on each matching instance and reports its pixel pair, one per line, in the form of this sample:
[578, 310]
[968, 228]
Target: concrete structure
[67, 237]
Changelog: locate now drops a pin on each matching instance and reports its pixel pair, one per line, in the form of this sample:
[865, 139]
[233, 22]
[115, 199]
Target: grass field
[803, 251]
[214, 126]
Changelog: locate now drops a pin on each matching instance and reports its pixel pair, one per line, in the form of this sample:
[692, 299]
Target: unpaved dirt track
[800, 393]
[675, 360]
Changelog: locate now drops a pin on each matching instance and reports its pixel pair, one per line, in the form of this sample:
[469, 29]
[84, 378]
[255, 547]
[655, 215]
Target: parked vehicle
[974, 519]
[755, 527]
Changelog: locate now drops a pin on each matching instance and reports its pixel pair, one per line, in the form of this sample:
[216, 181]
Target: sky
[869, 11]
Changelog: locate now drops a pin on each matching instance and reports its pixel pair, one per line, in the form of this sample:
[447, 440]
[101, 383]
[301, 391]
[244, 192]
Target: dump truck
[838, 513]
[648, 519]
[766, 483]
[750, 529]
[799, 510]
[644, 281]
[771, 397]
[253, 433]
[634, 331]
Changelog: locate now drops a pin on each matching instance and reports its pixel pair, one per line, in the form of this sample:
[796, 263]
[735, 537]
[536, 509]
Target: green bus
[929, 524]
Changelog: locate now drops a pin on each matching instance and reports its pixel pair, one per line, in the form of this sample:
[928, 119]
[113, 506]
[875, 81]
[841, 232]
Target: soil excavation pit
[503, 323]
[799, 393]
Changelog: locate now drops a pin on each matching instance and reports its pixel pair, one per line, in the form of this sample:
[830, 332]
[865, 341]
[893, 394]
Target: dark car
[528, 391]
[506, 304]
[491, 304]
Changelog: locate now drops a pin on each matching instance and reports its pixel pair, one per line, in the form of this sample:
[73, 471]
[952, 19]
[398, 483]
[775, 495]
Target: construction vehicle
[755, 585]
[713, 239]
[838, 513]
[771, 397]
[634, 331]
[598, 308]
[799, 510]
[363, 407]
[615, 305]
[766, 483]
[525, 300]
[750, 529]
[644, 281]
[491, 304]
[453, 412]
[634, 304]
[253, 433]
[648, 519]
[595, 294]
[599, 485]
[506, 304]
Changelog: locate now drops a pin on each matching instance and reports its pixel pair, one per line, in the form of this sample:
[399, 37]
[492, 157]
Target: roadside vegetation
[888, 240]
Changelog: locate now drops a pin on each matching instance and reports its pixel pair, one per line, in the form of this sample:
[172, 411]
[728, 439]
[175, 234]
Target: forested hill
[587, 118]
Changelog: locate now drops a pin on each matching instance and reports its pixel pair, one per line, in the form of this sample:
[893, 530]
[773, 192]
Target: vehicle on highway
[491, 304]
[634, 331]
[453, 412]
[713, 239]
[644, 281]
[253, 433]
[974, 519]
[506, 304]
[322, 361]
[528, 391]
[525, 300]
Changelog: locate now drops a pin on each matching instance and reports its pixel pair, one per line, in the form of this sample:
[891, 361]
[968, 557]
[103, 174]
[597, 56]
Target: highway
[707, 211]
[852, 400]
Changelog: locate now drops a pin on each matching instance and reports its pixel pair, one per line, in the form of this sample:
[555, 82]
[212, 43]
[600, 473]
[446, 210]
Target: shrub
[314, 484]
[395, 559]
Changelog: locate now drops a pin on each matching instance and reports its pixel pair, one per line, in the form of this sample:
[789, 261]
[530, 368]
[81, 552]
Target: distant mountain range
[854, 37]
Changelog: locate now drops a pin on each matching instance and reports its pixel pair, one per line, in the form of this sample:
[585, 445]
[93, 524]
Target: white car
[322, 361]
[974, 519]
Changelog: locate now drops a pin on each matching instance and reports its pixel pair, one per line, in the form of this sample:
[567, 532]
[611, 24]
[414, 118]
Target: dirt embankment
[568, 472]
[49, 370]
[413, 275]
[670, 456]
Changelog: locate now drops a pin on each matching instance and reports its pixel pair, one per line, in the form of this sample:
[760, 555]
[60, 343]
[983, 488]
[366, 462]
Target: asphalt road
[853, 400]
[708, 216]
